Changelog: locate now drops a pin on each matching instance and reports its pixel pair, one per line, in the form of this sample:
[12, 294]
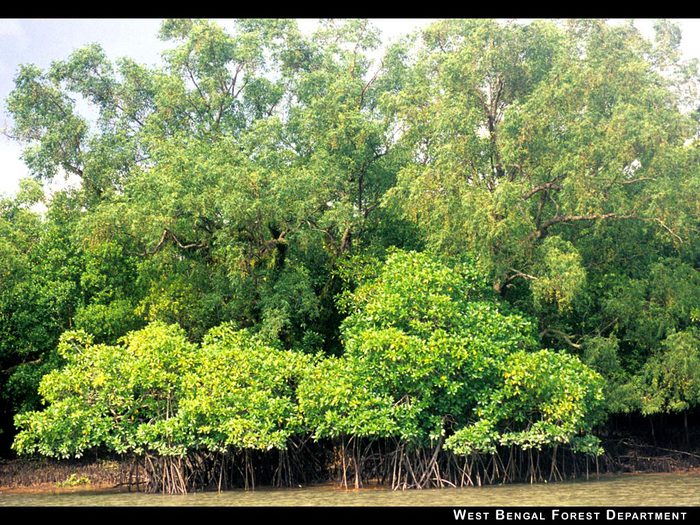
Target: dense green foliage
[120, 396]
[155, 392]
[274, 235]
[430, 352]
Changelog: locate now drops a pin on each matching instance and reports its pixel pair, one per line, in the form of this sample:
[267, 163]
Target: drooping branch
[542, 230]
[558, 219]
[669, 230]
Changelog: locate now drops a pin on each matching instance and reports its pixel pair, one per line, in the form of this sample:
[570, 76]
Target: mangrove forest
[468, 256]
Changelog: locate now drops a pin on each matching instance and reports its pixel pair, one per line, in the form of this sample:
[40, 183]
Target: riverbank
[46, 476]
[630, 455]
[61, 476]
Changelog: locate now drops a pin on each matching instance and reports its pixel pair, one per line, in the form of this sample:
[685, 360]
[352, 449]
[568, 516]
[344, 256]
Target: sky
[40, 42]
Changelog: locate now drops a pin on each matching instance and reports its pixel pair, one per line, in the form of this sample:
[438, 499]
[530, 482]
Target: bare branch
[169, 234]
[369, 83]
[9, 370]
[159, 244]
[201, 93]
[517, 273]
[238, 91]
[561, 336]
[634, 181]
[346, 241]
[669, 230]
[506, 283]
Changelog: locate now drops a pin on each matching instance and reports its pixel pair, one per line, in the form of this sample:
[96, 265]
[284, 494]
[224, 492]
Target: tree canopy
[465, 237]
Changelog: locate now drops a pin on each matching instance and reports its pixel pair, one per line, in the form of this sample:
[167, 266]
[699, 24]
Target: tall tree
[564, 158]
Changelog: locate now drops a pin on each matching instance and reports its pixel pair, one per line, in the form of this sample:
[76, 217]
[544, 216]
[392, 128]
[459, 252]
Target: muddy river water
[629, 489]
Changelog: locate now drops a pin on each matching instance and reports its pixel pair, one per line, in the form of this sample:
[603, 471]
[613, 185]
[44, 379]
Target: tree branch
[542, 230]
[9, 370]
[369, 83]
[169, 234]
[669, 230]
[500, 287]
[562, 336]
[552, 184]
[346, 241]
[201, 93]
[634, 181]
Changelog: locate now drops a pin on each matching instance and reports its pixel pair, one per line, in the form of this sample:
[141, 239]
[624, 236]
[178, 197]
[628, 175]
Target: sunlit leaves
[429, 351]
[267, 180]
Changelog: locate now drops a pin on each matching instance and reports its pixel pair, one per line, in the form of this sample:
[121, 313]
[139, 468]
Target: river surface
[628, 489]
